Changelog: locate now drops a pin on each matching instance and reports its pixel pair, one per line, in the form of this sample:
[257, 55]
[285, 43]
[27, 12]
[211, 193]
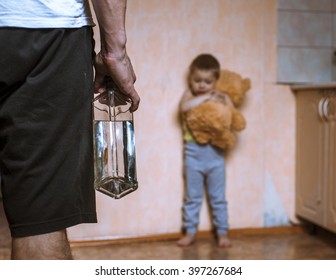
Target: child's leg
[193, 199]
[216, 185]
[193, 194]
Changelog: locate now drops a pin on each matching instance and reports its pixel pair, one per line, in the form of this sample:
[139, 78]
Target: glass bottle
[114, 144]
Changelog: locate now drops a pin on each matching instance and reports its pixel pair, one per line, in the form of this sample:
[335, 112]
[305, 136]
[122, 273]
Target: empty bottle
[114, 144]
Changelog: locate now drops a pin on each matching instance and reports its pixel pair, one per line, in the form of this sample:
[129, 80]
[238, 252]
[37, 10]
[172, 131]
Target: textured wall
[163, 37]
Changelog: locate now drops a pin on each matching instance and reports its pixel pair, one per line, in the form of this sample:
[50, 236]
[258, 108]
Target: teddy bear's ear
[247, 84]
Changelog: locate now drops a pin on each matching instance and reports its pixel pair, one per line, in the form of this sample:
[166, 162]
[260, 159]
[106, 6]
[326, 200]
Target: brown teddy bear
[216, 123]
[234, 85]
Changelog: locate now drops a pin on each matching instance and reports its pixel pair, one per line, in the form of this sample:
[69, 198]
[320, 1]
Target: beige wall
[163, 37]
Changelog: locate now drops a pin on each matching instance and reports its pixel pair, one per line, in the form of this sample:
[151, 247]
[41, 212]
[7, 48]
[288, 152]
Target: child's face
[202, 81]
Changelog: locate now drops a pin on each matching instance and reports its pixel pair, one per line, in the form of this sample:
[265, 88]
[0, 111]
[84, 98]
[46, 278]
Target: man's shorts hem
[25, 230]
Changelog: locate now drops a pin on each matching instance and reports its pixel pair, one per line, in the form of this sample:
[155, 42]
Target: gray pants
[204, 166]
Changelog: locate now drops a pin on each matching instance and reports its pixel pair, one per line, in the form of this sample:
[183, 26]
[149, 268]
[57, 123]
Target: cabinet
[316, 155]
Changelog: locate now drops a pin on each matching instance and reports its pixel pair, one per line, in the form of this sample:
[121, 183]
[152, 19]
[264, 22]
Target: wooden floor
[248, 245]
[284, 246]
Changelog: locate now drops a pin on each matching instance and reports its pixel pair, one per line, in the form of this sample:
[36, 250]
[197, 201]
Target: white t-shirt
[45, 13]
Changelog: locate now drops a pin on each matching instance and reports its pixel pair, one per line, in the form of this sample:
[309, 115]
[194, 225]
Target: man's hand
[123, 76]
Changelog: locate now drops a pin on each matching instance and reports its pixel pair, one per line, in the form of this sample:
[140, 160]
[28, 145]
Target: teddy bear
[217, 122]
[233, 85]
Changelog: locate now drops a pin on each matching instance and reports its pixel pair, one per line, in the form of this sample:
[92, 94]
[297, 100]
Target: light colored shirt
[45, 13]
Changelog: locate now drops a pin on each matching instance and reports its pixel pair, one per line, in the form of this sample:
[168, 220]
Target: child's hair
[205, 62]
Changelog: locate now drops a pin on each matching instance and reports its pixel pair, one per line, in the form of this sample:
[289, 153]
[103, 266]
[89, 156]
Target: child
[204, 164]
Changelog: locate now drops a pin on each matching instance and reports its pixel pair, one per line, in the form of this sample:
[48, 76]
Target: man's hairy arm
[112, 60]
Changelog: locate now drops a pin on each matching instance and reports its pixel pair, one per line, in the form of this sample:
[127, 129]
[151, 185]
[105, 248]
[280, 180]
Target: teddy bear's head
[234, 85]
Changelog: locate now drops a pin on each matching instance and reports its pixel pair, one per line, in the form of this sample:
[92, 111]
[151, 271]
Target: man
[46, 87]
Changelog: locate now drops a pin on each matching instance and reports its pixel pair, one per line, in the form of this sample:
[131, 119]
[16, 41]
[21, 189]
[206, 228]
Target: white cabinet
[316, 156]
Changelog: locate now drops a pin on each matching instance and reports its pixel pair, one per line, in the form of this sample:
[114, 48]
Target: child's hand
[218, 96]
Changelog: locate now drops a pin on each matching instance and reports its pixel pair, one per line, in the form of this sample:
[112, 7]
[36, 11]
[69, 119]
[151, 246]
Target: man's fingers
[135, 101]
[99, 83]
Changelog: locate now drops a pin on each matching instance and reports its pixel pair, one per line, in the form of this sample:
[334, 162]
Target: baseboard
[295, 229]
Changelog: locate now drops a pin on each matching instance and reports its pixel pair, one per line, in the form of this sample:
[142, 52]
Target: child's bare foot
[223, 241]
[186, 240]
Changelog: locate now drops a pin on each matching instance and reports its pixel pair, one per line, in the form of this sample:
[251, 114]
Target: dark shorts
[46, 158]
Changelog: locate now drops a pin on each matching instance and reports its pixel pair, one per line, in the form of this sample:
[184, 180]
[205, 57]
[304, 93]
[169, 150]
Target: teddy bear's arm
[238, 120]
[225, 140]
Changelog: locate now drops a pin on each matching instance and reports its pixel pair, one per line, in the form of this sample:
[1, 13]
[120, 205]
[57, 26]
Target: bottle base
[116, 187]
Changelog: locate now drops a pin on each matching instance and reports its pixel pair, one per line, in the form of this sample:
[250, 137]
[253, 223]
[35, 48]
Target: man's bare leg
[50, 246]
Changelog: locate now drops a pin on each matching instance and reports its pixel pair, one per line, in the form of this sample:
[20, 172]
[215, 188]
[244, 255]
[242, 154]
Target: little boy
[203, 164]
